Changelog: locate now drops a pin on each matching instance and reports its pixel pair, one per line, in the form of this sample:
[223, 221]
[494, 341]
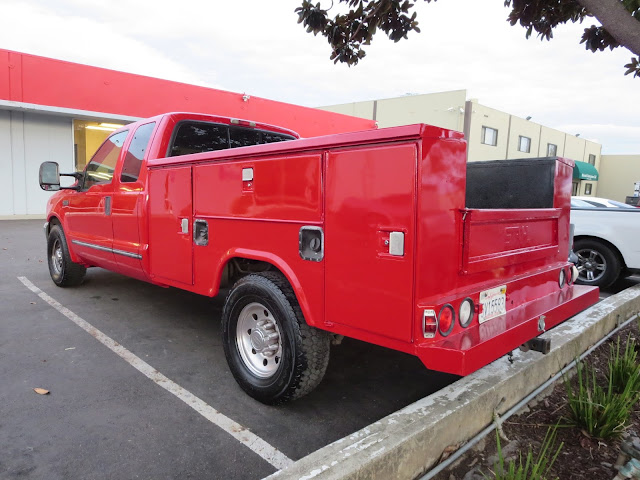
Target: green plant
[601, 412]
[624, 368]
[529, 468]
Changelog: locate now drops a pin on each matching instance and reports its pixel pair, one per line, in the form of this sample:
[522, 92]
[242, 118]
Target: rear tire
[64, 272]
[598, 264]
[273, 354]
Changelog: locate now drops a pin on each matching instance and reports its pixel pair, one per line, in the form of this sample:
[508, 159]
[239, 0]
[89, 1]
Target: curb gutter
[405, 444]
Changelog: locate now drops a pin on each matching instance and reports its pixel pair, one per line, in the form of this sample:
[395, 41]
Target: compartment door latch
[396, 244]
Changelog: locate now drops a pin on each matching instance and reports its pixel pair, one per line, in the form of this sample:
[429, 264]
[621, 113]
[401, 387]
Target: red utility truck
[386, 236]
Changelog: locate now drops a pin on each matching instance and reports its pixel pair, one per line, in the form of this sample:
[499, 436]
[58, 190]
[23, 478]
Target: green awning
[584, 171]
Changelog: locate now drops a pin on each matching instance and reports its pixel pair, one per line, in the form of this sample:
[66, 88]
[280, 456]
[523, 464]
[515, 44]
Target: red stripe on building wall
[49, 82]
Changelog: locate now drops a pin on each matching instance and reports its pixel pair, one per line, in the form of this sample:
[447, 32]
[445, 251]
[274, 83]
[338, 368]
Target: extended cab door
[88, 213]
[128, 200]
[170, 223]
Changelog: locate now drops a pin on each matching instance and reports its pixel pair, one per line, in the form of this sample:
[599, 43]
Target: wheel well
[611, 246]
[238, 267]
[53, 221]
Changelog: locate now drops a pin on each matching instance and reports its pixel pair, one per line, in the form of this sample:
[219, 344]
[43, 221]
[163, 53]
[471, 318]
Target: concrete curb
[405, 444]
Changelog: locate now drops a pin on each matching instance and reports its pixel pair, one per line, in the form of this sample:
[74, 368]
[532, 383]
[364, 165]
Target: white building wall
[6, 165]
[27, 140]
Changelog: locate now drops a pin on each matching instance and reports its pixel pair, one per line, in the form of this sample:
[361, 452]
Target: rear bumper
[479, 345]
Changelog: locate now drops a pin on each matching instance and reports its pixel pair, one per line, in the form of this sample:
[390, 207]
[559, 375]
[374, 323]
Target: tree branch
[617, 21]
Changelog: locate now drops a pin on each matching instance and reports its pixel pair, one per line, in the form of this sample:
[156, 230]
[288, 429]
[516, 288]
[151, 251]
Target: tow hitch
[542, 345]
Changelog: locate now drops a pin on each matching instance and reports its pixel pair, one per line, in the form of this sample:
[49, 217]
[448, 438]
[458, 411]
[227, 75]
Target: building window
[489, 136]
[574, 188]
[587, 188]
[524, 144]
[552, 150]
[592, 159]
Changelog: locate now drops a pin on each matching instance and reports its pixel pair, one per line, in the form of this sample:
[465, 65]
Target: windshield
[620, 204]
[577, 203]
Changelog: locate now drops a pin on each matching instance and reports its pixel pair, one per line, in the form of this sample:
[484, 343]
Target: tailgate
[499, 238]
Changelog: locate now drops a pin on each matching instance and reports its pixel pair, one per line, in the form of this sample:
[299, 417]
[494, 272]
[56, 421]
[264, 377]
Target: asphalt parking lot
[103, 418]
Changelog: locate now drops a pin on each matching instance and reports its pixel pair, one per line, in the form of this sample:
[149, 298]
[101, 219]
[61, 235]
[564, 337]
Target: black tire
[64, 272]
[598, 264]
[273, 354]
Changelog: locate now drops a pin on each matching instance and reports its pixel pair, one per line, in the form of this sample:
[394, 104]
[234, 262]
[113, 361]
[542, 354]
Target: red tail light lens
[446, 319]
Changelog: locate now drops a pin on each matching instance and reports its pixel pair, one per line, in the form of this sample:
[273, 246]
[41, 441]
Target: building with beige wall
[443, 109]
[618, 175]
[491, 134]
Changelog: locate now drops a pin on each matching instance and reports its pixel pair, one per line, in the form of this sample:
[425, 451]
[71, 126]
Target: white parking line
[240, 433]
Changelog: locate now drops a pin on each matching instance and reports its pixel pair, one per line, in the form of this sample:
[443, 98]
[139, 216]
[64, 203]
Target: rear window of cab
[191, 136]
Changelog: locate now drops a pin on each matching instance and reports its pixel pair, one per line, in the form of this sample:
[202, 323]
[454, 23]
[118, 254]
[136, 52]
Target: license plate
[494, 303]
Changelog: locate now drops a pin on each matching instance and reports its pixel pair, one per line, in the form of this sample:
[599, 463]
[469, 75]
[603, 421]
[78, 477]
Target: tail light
[562, 278]
[466, 312]
[446, 319]
[243, 123]
[429, 323]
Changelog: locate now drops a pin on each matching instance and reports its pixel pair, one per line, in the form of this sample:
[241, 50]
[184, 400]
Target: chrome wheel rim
[56, 257]
[591, 265]
[258, 340]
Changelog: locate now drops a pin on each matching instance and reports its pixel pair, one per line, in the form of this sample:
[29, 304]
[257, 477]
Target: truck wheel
[271, 351]
[63, 271]
[598, 264]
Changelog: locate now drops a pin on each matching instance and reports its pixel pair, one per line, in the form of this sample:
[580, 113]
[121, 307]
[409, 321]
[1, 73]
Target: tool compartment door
[369, 231]
[170, 224]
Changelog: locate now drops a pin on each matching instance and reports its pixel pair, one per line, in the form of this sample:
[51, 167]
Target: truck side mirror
[49, 176]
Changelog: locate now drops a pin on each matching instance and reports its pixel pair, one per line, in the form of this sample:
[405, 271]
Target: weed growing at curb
[624, 369]
[529, 469]
[601, 412]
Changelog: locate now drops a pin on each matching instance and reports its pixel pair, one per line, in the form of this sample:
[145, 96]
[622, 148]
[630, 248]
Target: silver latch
[396, 244]
[184, 224]
[247, 174]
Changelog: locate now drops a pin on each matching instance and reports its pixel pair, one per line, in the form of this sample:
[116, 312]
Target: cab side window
[135, 154]
[101, 167]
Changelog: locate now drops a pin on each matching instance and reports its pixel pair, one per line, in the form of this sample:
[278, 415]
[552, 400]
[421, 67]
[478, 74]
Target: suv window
[195, 137]
[135, 153]
[103, 163]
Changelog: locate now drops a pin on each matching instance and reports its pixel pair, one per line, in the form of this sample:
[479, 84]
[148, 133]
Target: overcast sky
[256, 47]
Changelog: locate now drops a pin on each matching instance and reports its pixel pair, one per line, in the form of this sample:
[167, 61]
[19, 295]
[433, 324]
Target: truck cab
[102, 213]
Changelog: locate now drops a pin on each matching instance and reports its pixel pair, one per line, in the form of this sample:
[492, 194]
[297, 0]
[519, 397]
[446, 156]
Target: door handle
[107, 206]
[184, 225]
[396, 244]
